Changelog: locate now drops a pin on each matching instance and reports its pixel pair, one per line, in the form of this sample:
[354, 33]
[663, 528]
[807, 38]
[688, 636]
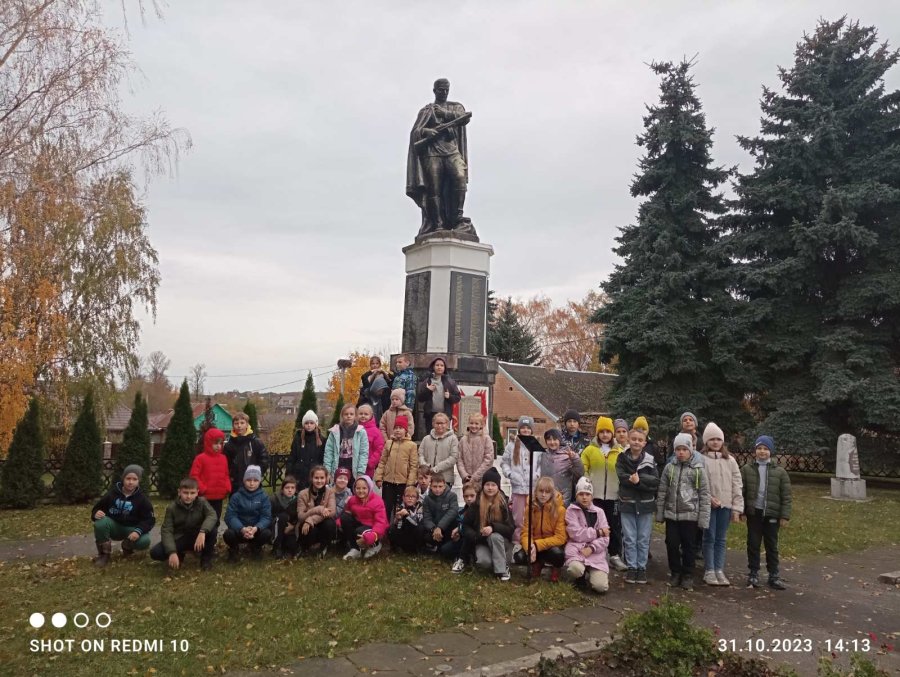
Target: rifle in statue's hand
[421, 143]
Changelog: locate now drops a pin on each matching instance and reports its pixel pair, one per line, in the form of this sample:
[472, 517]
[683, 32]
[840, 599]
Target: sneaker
[458, 566]
[631, 576]
[710, 577]
[371, 552]
[505, 575]
[206, 564]
[641, 577]
[674, 580]
[554, 574]
[687, 583]
[720, 576]
[353, 553]
[324, 551]
[431, 549]
[777, 583]
[752, 581]
[520, 558]
[617, 563]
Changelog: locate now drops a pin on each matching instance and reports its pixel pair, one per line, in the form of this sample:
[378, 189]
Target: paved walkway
[834, 597]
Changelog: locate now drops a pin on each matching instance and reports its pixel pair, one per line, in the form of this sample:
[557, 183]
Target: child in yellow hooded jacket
[599, 459]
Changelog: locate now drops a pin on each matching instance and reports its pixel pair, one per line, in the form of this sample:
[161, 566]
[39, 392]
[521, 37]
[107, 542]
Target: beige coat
[476, 455]
[725, 482]
[308, 513]
[399, 463]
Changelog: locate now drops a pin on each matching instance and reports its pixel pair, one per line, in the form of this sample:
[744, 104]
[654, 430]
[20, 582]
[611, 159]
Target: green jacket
[182, 519]
[778, 490]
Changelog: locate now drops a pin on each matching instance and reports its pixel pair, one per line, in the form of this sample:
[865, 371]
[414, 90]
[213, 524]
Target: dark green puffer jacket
[778, 490]
[184, 519]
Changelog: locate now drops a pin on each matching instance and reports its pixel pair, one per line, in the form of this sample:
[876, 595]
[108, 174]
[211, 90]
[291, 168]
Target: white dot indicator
[58, 619]
[36, 620]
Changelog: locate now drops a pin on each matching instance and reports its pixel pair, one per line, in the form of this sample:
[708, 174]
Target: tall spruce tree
[80, 478]
[135, 447]
[250, 410]
[667, 319]
[308, 401]
[508, 339]
[22, 485]
[817, 242]
[178, 451]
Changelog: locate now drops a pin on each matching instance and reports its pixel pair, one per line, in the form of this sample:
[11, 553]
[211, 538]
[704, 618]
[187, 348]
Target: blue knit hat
[765, 441]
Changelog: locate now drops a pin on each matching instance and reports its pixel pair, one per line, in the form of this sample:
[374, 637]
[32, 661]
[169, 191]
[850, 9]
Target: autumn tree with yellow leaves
[75, 260]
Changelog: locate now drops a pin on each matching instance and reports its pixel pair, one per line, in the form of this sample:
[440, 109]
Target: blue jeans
[714, 539]
[636, 530]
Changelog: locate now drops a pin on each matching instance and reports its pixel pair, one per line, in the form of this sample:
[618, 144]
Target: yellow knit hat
[640, 423]
[605, 423]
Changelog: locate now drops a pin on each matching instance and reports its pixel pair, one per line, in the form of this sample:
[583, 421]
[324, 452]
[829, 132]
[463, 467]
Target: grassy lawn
[48, 521]
[251, 615]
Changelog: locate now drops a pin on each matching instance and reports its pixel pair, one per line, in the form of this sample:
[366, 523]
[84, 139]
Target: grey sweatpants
[492, 553]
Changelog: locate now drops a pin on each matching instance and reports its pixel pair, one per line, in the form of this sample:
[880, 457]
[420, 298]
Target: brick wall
[510, 403]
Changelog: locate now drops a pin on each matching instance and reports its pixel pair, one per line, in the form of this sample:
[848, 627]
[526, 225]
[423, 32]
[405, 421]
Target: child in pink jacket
[476, 452]
[588, 533]
[366, 417]
[364, 522]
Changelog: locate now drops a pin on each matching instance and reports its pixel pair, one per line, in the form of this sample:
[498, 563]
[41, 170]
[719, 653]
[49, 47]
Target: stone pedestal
[445, 313]
[848, 489]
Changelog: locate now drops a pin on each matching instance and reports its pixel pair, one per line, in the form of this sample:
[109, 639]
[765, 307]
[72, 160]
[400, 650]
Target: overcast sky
[280, 236]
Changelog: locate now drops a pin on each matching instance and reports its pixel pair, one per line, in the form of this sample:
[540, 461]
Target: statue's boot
[459, 203]
[433, 211]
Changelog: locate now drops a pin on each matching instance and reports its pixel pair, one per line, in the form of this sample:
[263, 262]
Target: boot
[104, 552]
[554, 574]
[536, 569]
[127, 548]
[460, 200]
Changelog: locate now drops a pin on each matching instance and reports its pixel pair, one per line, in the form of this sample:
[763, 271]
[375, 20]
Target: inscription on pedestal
[468, 405]
[468, 295]
[415, 312]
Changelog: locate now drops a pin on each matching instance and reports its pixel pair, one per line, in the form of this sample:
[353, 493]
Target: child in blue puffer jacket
[249, 517]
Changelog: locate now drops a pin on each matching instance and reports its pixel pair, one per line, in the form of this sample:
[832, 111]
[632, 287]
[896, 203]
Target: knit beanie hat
[399, 392]
[683, 440]
[401, 422]
[689, 414]
[554, 434]
[605, 423]
[133, 469]
[342, 472]
[584, 486]
[253, 472]
[525, 421]
[571, 415]
[379, 384]
[620, 423]
[490, 475]
[764, 440]
[311, 416]
[640, 423]
[712, 432]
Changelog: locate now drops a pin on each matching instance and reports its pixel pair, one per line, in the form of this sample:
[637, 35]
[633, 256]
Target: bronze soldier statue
[437, 165]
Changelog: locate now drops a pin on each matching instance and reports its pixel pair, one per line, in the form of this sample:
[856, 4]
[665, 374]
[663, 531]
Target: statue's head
[441, 89]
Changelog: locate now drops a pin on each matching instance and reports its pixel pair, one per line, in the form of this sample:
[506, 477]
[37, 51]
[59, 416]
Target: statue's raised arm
[437, 165]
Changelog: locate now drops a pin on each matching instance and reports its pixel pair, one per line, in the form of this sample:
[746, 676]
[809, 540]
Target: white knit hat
[584, 486]
[712, 432]
[310, 416]
[683, 440]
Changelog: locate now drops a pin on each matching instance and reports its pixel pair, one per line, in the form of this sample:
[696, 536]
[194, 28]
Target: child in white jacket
[515, 463]
[726, 502]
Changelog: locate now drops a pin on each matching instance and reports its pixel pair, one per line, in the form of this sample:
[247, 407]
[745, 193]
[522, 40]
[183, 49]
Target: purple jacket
[581, 535]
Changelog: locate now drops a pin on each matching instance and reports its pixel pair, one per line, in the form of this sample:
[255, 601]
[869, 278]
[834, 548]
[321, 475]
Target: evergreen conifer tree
[308, 401]
[497, 434]
[135, 447]
[178, 451]
[22, 485]
[817, 241]
[667, 319]
[336, 416]
[508, 339]
[250, 410]
[81, 477]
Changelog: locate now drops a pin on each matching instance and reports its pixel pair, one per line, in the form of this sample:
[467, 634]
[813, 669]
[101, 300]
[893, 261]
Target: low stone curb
[590, 647]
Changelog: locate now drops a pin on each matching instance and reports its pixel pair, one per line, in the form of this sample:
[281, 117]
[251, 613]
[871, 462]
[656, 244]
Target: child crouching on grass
[123, 514]
[364, 521]
[588, 533]
[190, 524]
[544, 530]
[407, 532]
[487, 530]
[248, 517]
[316, 511]
[284, 519]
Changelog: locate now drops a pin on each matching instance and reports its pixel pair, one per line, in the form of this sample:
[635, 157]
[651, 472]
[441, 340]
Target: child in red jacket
[364, 521]
[210, 469]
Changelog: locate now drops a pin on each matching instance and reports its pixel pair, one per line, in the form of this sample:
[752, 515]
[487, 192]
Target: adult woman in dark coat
[369, 379]
[438, 393]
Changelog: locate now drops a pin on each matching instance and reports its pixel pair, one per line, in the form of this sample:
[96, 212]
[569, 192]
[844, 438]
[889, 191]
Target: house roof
[120, 416]
[161, 419]
[560, 389]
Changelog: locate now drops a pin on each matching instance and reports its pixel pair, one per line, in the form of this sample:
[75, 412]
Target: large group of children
[577, 505]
